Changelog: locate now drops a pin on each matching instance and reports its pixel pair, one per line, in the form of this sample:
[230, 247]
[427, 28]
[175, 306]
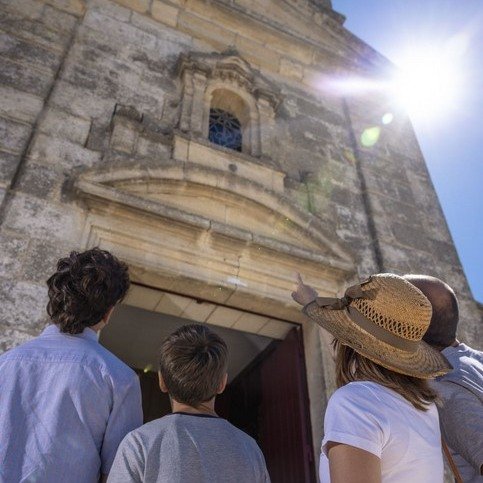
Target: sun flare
[429, 83]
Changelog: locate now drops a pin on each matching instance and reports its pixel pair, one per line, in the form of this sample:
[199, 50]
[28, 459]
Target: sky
[450, 137]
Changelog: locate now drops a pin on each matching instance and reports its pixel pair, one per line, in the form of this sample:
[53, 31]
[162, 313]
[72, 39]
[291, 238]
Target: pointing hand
[304, 294]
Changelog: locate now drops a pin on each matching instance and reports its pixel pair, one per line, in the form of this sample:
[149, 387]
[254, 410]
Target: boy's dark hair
[84, 287]
[193, 363]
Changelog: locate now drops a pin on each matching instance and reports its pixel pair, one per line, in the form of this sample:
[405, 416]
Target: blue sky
[452, 143]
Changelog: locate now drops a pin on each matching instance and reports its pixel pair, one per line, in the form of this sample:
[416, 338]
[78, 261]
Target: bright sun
[429, 83]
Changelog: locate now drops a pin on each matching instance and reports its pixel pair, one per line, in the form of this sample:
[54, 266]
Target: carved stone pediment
[230, 238]
[229, 67]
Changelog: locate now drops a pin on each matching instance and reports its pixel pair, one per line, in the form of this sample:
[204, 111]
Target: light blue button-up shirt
[66, 403]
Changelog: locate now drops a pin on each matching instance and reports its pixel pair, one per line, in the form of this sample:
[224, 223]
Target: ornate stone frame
[246, 94]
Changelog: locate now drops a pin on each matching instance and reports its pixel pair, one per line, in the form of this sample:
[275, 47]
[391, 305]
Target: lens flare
[387, 118]
[370, 136]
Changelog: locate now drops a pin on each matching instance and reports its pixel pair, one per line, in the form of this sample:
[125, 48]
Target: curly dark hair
[84, 287]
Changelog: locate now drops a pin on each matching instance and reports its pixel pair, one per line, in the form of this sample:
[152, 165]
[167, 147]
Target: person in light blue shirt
[66, 402]
[461, 390]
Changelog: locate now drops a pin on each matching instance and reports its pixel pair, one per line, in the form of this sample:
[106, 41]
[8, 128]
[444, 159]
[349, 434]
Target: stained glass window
[225, 129]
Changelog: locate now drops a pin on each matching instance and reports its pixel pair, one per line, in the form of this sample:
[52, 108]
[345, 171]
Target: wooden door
[269, 401]
[284, 423]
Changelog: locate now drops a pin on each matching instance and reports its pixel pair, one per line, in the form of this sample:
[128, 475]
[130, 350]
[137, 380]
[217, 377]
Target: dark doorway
[269, 401]
[266, 397]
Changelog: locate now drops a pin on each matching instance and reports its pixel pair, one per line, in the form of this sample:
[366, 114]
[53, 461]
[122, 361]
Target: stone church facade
[114, 119]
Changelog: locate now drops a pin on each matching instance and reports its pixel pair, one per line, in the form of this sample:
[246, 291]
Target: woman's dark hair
[84, 288]
[193, 364]
[351, 366]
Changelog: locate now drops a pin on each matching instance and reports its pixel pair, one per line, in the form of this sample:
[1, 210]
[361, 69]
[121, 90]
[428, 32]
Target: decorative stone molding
[207, 233]
[226, 81]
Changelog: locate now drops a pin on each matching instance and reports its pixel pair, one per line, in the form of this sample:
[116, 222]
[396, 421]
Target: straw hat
[384, 319]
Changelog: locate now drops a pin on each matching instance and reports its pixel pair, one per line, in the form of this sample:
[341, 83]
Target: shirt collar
[87, 334]
[448, 351]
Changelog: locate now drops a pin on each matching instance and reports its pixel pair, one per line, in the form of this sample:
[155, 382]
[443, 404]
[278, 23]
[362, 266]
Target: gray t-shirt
[461, 414]
[188, 448]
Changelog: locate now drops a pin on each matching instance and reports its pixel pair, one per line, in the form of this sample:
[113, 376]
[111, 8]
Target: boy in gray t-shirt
[192, 444]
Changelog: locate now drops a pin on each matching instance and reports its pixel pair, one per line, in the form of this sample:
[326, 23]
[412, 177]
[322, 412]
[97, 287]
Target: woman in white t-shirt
[381, 425]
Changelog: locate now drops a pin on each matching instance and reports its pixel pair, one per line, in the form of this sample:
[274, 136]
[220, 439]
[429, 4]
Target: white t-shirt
[376, 419]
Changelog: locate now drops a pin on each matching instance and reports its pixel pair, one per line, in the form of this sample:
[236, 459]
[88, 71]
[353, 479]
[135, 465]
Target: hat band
[380, 333]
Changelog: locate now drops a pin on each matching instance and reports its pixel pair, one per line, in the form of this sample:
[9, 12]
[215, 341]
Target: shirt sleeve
[126, 415]
[352, 418]
[461, 419]
[128, 464]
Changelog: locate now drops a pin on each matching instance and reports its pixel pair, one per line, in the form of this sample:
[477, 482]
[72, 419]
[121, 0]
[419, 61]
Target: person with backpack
[461, 390]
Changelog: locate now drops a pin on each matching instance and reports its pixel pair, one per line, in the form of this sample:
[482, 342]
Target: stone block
[44, 220]
[470, 328]
[23, 305]
[410, 236]
[172, 304]
[60, 124]
[181, 147]
[98, 137]
[20, 51]
[224, 316]
[198, 310]
[33, 30]
[212, 33]
[58, 20]
[315, 109]
[123, 137]
[168, 39]
[151, 148]
[81, 102]
[164, 13]
[111, 9]
[8, 165]
[31, 9]
[119, 32]
[142, 297]
[75, 7]
[24, 78]
[310, 134]
[256, 53]
[13, 251]
[19, 105]
[291, 69]
[40, 261]
[62, 152]
[136, 5]
[40, 180]
[444, 252]
[12, 337]
[13, 135]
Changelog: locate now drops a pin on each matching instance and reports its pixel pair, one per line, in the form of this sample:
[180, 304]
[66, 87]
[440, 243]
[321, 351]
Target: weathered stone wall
[66, 65]
[93, 85]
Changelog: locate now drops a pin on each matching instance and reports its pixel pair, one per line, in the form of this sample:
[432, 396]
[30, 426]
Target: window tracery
[225, 129]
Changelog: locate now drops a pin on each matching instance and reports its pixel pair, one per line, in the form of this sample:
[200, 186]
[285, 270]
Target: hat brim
[424, 363]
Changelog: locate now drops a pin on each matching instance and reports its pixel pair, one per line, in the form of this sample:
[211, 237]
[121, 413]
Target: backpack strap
[451, 462]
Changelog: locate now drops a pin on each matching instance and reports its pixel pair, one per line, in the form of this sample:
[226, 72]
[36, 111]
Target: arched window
[225, 129]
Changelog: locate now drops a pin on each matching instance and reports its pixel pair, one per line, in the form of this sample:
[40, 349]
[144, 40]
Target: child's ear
[223, 383]
[162, 385]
